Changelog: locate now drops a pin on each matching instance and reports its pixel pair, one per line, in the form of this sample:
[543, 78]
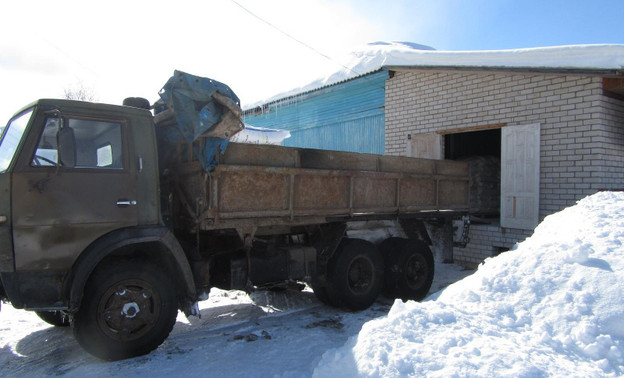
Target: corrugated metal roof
[348, 116]
[287, 98]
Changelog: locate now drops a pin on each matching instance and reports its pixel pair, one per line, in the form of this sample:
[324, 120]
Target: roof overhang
[613, 86]
[529, 70]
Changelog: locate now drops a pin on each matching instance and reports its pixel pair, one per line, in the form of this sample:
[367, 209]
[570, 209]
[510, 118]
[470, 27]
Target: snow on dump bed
[554, 306]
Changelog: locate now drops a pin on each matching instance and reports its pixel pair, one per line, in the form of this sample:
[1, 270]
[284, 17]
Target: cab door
[10, 142]
[75, 184]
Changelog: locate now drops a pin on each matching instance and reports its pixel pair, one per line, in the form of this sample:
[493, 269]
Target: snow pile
[552, 307]
[375, 56]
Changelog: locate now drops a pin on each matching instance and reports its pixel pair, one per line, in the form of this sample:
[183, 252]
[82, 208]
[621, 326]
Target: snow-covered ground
[551, 307]
[263, 335]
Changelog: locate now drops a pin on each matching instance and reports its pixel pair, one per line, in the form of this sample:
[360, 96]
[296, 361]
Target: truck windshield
[11, 136]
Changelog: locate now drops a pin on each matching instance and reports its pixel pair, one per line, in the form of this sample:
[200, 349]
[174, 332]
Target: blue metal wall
[347, 117]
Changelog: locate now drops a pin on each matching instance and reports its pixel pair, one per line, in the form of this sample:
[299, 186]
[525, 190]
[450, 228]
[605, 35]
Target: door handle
[3, 219]
[126, 203]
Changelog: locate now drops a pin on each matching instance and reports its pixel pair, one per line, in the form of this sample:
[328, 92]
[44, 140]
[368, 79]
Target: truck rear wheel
[409, 268]
[355, 275]
[128, 310]
[56, 318]
[320, 292]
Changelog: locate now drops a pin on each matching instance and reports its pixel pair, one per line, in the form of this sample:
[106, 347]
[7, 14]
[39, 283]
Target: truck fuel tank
[266, 265]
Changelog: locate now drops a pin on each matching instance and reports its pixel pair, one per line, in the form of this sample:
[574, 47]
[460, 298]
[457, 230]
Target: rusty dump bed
[266, 186]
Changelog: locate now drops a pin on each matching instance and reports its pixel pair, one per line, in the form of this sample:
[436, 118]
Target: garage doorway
[482, 151]
[505, 171]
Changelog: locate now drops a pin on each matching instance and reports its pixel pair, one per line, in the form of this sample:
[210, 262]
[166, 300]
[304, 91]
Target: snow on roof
[551, 307]
[378, 55]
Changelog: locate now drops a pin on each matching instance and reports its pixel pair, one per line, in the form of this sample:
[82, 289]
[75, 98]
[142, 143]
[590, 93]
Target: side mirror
[66, 146]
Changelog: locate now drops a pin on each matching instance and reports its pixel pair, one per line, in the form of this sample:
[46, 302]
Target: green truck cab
[80, 191]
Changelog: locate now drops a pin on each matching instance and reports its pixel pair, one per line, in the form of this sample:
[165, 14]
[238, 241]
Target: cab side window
[46, 153]
[83, 143]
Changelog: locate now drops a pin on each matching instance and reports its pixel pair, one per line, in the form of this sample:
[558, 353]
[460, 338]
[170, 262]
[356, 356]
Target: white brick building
[559, 135]
[542, 128]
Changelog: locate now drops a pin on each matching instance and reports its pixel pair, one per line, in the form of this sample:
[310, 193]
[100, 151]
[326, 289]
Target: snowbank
[552, 307]
[377, 55]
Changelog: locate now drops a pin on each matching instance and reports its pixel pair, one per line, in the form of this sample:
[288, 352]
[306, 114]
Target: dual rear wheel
[354, 276]
[409, 268]
[359, 271]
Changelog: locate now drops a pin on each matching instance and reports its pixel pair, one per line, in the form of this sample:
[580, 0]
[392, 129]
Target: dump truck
[111, 221]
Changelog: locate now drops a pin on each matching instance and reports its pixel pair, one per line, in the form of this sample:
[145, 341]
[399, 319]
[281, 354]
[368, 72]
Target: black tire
[128, 310]
[355, 275]
[409, 268]
[320, 292]
[56, 318]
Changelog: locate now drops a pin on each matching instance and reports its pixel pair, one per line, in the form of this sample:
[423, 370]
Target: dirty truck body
[97, 232]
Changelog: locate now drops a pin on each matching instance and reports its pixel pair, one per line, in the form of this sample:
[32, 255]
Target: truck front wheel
[355, 275]
[128, 309]
[321, 293]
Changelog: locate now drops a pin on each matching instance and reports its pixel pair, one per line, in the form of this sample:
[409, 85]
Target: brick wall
[582, 131]
[487, 240]
[612, 144]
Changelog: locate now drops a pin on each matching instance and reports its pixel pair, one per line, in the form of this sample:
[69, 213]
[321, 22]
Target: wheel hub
[129, 310]
[416, 271]
[360, 275]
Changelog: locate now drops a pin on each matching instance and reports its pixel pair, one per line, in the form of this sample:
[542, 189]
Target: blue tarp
[189, 99]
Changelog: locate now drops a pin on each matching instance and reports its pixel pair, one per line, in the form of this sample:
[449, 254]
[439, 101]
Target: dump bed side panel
[273, 185]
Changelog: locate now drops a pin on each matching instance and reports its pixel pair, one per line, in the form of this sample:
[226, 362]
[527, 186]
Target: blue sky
[123, 48]
[498, 24]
